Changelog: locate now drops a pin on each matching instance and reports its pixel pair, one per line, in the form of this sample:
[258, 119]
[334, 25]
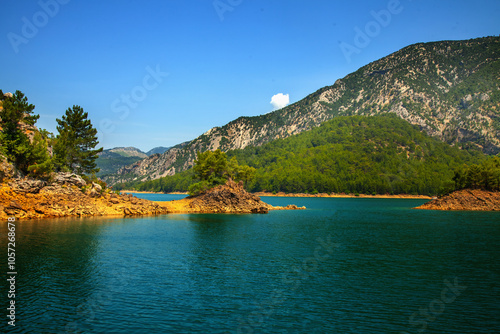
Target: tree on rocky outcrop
[43, 164]
[17, 120]
[212, 169]
[74, 145]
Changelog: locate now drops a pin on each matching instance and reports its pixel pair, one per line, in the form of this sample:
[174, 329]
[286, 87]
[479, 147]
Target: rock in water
[228, 198]
[466, 200]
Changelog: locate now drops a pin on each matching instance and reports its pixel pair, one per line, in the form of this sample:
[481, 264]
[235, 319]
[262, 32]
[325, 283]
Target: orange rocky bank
[69, 195]
[466, 200]
[228, 198]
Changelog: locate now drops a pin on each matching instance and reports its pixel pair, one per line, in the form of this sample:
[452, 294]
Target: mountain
[449, 89]
[357, 154]
[349, 154]
[126, 152]
[157, 150]
[111, 160]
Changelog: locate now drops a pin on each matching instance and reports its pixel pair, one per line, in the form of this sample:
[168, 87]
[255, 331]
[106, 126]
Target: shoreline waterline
[281, 194]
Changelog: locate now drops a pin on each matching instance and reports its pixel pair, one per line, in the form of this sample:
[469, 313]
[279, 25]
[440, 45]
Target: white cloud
[280, 101]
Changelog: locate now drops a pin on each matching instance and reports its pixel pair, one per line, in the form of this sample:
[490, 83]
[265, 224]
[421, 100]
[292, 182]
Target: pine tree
[75, 143]
[42, 162]
[16, 119]
[212, 167]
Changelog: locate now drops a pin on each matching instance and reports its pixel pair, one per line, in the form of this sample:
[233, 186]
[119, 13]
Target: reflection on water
[260, 273]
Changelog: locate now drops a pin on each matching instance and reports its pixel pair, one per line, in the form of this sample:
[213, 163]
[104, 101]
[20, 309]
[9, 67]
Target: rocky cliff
[466, 200]
[450, 89]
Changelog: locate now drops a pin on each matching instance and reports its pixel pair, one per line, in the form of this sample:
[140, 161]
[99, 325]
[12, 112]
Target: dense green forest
[351, 154]
[484, 176]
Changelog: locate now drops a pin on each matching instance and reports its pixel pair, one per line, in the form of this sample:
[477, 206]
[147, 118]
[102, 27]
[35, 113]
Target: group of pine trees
[484, 176]
[73, 148]
[213, 168]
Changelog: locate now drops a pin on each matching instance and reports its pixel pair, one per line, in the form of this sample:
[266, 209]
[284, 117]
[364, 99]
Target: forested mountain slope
[352, 154]
[449, 89]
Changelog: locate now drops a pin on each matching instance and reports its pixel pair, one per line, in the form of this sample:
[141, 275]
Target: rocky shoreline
[465, 200]
[340, 195]
[282, 194]
[68, 195]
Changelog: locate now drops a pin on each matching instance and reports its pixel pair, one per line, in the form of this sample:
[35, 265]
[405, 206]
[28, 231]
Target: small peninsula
[466, 200]
[476, 188]
[67, 195]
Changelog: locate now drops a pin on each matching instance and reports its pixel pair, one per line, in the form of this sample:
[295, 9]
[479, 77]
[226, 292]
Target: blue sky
[160, 72]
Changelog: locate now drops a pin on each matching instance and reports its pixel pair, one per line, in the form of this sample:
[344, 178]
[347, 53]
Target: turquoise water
[341, 266]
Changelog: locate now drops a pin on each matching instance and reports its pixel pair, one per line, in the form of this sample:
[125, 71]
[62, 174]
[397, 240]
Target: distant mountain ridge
[450, 89]
[157, 150]
[126, 152]
[111, 160]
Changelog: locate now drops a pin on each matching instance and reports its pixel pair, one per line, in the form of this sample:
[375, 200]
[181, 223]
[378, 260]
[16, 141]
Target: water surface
[341, 266]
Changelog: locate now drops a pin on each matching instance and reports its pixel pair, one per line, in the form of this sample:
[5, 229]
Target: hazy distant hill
[157, 150]
[450, 89]
[111, 160]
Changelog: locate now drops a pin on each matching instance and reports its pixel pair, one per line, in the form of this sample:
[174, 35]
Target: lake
[341, 266]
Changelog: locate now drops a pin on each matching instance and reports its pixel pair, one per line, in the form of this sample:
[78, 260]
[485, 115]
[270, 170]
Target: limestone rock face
[8, 171]
[28, 185]
[466, 200]
[69, 179]
[416, 83]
